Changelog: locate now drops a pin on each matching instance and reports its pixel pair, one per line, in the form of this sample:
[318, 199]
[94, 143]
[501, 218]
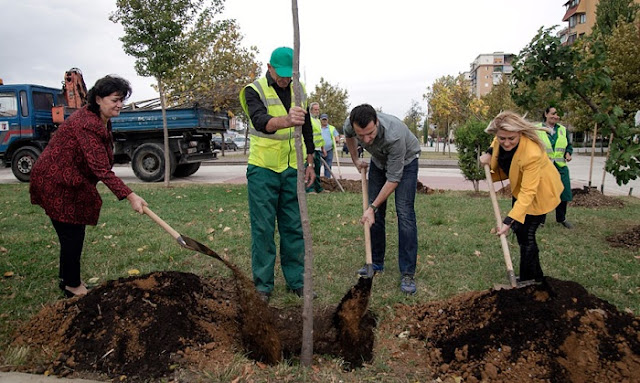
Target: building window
[582, 18]
[572, 21]
[574, 3]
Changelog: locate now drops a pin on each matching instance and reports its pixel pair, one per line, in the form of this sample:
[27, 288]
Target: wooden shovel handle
[503, 238]
[367, 226]
[161, 222]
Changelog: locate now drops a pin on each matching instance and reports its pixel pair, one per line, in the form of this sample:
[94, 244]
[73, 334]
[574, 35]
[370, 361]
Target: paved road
[436, 174]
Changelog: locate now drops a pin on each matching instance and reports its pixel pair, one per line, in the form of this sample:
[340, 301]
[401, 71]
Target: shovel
[367, 226]
[258, 331]
[331, 172]
[503, 238]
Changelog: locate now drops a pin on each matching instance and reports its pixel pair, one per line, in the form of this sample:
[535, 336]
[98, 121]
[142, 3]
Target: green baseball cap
[282, 61]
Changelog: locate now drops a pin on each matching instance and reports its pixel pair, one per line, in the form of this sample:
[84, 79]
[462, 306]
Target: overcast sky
[385, 53]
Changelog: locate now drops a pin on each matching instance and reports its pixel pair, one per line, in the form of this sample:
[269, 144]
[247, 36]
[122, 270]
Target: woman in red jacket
[518, 153]
[64, 178]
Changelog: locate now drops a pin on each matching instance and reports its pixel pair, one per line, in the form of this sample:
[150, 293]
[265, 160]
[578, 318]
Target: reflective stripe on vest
[555, 154]
[318, 141]
[272, 151]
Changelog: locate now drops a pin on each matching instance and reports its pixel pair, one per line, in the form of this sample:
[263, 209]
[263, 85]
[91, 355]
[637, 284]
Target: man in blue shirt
[330, 135]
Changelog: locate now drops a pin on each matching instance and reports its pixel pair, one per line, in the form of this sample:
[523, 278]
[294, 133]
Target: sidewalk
[19, 377]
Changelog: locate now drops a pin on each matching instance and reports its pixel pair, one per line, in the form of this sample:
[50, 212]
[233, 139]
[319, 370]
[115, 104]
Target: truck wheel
[186, 170]
[148, 163]
[22, 162]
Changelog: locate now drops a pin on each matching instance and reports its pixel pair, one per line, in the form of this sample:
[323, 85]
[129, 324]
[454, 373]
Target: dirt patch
[592, 198]
[355, 186]
[149, 326]
[629, 238]
[155, 326]
[552, 332]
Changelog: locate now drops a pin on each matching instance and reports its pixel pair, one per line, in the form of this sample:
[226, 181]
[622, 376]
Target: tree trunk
[165, 130]
[306, 354]
[593, 151]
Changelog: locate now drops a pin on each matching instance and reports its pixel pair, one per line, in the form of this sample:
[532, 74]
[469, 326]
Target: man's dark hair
[105, 86]
[363, 115]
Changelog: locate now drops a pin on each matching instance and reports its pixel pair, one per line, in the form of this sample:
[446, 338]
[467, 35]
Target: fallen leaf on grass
[108, 236]
[132, 272]
[210, 230]
[8, 274]
[226, 228]
[261, 365]
[3, 250]
[477, 253]
[93, 281]
[220, 210]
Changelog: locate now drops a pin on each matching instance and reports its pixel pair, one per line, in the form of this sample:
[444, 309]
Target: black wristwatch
[373, 207]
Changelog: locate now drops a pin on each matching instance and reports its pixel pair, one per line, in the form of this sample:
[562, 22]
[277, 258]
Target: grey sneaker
[408, 284]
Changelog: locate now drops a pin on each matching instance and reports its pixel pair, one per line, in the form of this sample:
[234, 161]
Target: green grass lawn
[456, 253]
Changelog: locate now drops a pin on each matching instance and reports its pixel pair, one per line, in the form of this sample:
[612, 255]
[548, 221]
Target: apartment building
[487, 70]
[580, 16]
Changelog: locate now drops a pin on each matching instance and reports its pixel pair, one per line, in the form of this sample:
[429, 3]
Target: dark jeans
[71, 237]
[405, 195]
[529, 252]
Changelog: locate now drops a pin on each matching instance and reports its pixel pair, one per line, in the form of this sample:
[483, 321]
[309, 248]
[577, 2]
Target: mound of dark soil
[146, 327]
[629, 238]
[593, 199]
[553, 332]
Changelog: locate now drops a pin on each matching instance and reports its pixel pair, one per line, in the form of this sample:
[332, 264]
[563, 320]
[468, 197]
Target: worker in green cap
[269, 104]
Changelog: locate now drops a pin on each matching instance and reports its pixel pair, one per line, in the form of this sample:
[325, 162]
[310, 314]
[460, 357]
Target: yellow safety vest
[275, 151]
[318, 141]
[557, 155]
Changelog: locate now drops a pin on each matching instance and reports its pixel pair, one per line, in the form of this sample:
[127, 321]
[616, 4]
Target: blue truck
[30, 114]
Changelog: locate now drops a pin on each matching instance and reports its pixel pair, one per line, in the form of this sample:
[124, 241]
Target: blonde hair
[513, 122]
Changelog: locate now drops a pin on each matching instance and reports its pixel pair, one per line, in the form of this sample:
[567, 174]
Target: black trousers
[561, 212]
[529, 252]
[71, 237]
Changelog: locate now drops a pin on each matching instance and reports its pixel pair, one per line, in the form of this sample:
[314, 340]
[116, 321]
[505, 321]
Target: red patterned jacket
[64, 178]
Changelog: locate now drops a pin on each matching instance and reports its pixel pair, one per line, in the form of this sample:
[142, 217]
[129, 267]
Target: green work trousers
[316, 186]
[273, 198]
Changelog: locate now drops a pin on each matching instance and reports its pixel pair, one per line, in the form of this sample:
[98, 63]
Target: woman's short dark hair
[105, 86]
[544, 114]
[363, 115]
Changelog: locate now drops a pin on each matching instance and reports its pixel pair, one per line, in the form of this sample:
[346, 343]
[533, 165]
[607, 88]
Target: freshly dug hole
[146, 327]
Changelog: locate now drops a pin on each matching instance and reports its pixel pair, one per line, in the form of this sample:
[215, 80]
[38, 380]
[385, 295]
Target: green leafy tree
[217, 68]
[580, 71]
[499, 99]
[450, 103]
[333, 101]
[413, 117]
[472, 141]
[609, 13]
[155, 34]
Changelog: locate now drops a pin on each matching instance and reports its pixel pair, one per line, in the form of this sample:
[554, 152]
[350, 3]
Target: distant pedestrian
[330, 135]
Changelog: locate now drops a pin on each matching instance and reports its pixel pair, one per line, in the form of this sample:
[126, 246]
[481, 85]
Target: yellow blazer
[535, 182]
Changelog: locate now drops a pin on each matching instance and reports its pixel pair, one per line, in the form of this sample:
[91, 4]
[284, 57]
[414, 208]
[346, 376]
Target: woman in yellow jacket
[517, 153]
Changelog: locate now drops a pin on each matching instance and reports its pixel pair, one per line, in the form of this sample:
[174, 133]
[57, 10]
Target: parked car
[240, 142]
[228, 143]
